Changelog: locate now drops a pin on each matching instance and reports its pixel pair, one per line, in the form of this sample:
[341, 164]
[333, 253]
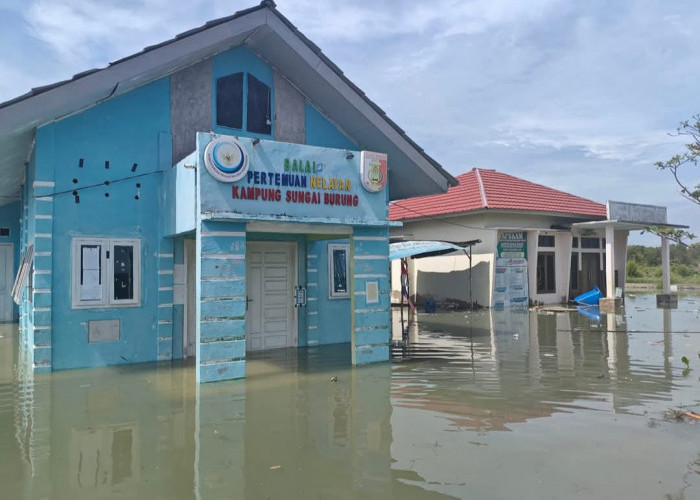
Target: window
[545, 272]
[575, 242]
[574, 272]
[4, 231]
[544, 240]
[232, 91]
[106, 272]
[590, 243]
[338, 271]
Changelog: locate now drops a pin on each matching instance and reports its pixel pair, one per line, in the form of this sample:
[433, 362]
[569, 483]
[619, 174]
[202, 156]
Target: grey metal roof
[273, 38]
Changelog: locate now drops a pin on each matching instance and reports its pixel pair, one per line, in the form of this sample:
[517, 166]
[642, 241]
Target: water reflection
[560, 405]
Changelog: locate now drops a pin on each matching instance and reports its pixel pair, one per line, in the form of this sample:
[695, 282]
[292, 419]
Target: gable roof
[274, 39]
[482, 189]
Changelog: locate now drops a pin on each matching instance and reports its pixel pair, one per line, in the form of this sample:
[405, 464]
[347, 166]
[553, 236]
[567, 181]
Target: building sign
[373, 171]
[635, 212]
[510, 288]
[291, 181]
[225, 159]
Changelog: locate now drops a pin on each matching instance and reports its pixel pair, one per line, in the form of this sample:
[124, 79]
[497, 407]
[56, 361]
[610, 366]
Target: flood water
[473, 405]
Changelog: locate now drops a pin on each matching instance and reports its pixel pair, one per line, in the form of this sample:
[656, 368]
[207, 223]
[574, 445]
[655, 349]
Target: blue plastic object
[590, 298]
[590, 312]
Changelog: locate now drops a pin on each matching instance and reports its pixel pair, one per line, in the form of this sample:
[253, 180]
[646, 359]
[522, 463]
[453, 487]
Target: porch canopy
[624, 216]
[417, 249]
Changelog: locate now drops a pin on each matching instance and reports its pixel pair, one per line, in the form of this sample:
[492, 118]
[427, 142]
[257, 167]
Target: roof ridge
[482, 190]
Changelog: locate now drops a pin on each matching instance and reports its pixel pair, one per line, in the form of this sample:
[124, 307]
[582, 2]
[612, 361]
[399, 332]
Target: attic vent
[4, 231]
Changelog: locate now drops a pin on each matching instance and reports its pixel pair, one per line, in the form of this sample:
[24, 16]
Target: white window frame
[107, 272]
[332, 294]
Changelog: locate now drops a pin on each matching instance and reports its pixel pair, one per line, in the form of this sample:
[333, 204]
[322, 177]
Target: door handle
[247, 300]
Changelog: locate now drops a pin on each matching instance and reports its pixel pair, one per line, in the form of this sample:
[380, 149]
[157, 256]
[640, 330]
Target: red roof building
[487, 189]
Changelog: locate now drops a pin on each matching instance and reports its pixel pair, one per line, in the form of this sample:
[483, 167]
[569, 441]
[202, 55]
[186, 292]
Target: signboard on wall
[286, 181]
[510, 282]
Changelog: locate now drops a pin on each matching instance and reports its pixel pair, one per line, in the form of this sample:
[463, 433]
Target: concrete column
[371, 315]
[666, 299]
[610, 262]
[665, 265]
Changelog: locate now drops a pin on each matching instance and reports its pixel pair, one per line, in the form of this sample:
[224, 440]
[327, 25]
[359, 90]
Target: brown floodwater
[474, 405]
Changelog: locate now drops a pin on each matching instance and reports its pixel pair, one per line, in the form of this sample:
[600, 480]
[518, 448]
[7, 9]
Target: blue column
[371, 325]
[222, 301]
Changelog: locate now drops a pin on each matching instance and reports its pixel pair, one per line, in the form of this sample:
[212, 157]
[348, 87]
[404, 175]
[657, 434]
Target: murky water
[495, 405]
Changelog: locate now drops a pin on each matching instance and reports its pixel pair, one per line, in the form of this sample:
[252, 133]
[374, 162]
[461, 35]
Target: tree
[691, 129]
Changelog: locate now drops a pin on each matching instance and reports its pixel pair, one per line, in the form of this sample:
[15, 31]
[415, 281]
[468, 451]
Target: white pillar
[665, 266]
[610, 261]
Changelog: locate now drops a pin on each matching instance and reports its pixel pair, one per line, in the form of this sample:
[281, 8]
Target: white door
[270, 280]
[6, 281]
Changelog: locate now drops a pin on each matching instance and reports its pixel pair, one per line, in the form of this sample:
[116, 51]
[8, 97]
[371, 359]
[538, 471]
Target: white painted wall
[425, 274]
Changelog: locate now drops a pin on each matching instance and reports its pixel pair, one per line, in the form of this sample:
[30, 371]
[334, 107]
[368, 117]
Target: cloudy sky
[579, 96]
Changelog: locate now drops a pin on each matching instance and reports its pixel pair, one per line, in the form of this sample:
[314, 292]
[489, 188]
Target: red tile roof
[481, 189]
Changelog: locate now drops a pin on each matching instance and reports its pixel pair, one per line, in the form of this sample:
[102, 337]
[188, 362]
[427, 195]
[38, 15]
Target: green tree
[691, 130]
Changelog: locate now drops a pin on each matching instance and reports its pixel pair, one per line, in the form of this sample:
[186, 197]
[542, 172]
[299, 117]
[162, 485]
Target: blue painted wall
[133, 128]
[322, 132]
[330, 317]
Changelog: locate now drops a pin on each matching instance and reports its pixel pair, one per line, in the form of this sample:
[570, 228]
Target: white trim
[370, 238]
[42, 290]
[311, 270]
[106, 273]
[239, 234]
[165, 271]
[42, 309]
[42, 271]
[371, 257]
[370, 310]
[222, 278]
[40, 327]
[42, 254]
[47, 184]
[169, 304]
[311, 256]
[312, 327]
[371, 276]
[333, 247]
[165, 322]
[165, 289]
[40, 216]
[313, 313]
[165, 255]
[43, 235]
[223, 256]
[44, 198]
[311, 283]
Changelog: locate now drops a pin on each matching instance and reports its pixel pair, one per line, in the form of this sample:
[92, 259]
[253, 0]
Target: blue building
[218, 193]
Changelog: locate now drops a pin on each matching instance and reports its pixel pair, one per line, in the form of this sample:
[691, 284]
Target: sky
[579, 96]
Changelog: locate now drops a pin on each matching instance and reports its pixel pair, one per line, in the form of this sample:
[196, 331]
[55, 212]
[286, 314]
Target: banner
[510, 283]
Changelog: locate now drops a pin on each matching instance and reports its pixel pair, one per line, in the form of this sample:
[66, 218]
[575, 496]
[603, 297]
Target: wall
[132, 128]
[424, 273]
[329, 319]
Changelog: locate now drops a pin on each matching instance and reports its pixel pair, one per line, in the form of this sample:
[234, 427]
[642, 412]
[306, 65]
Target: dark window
[258, 117]
[574, 244]
[123, 272]
[574, 272]
[545, 241]
[545, 272]
[340, 282]
[229, 101]
[590, 243]
[4, 231]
